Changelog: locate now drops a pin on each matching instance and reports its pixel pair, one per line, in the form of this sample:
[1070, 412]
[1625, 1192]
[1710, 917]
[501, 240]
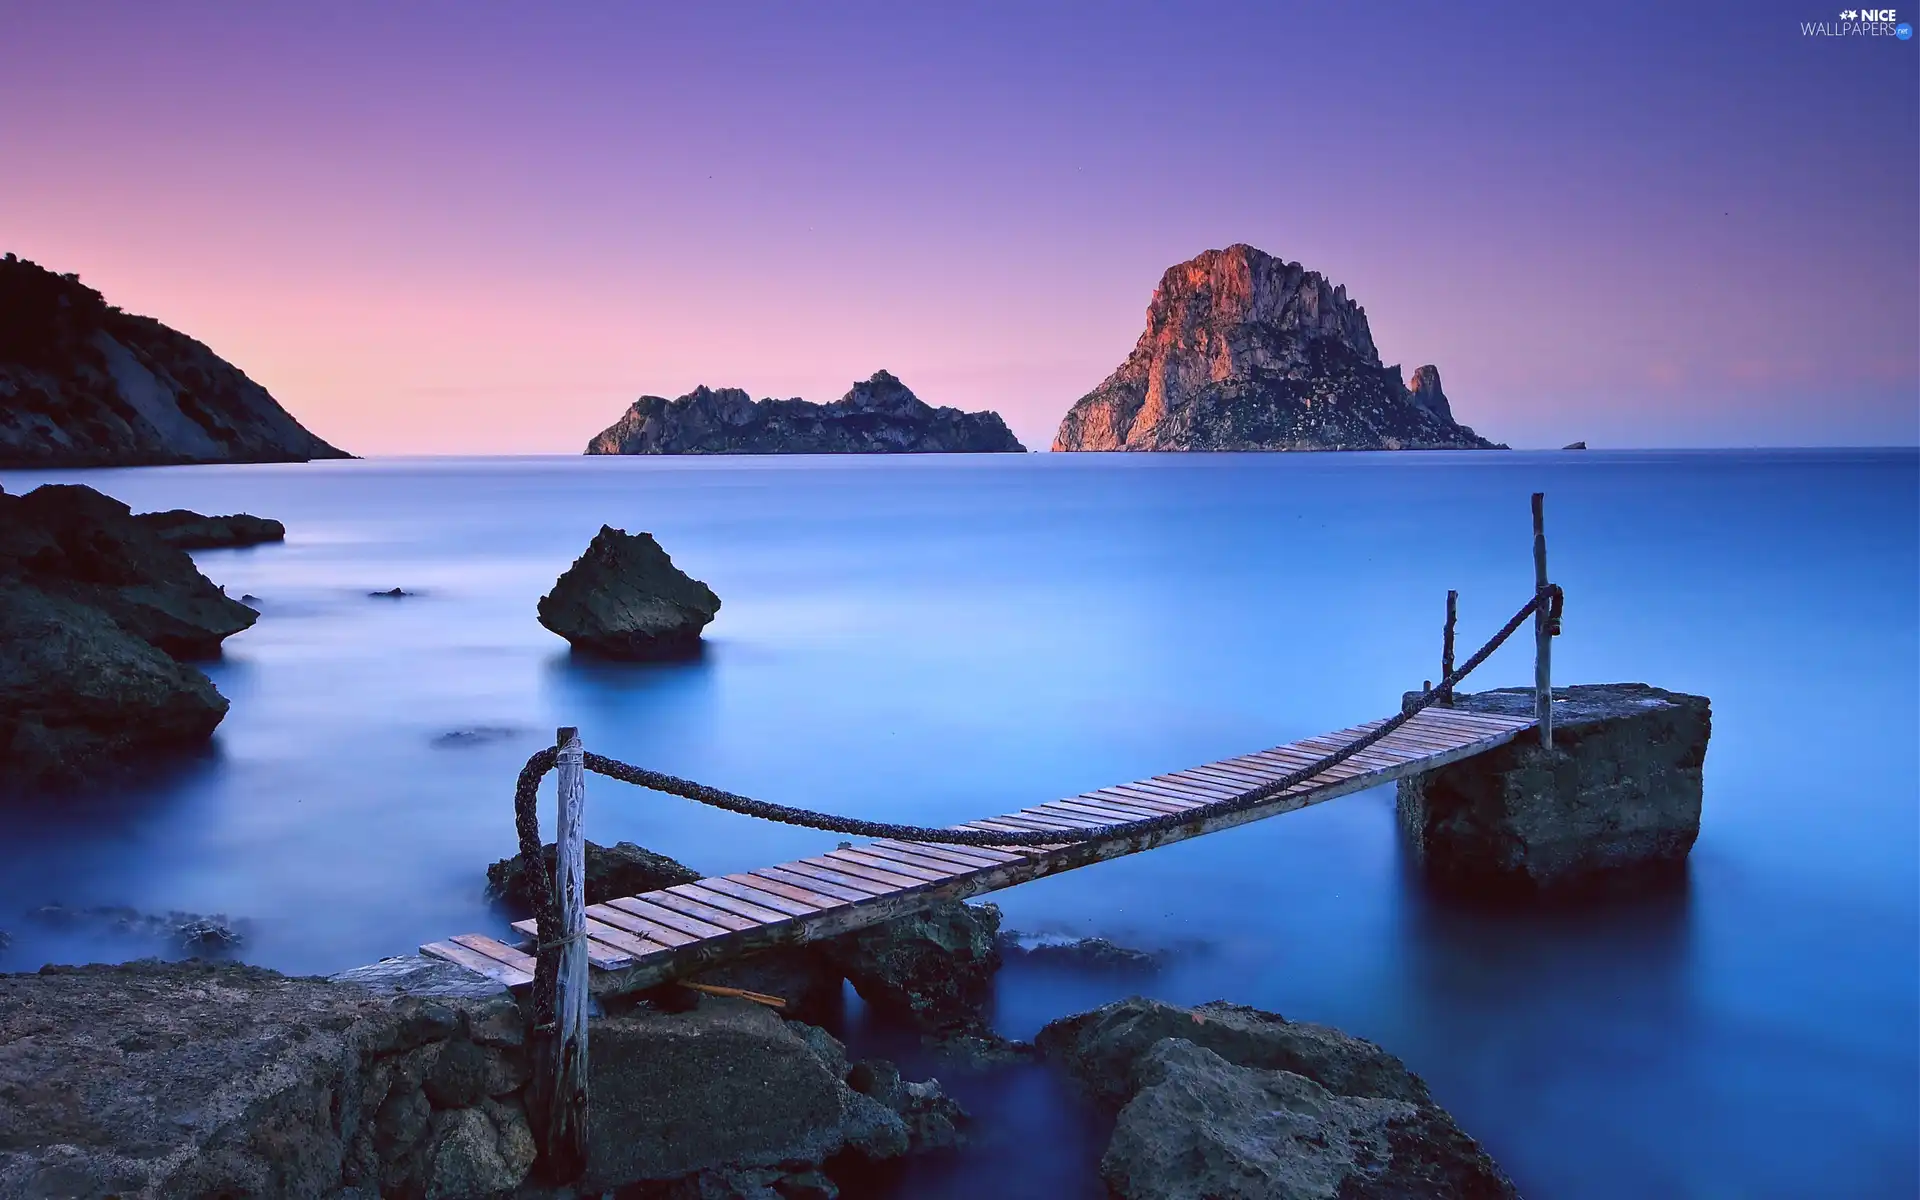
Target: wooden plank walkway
[640, 941]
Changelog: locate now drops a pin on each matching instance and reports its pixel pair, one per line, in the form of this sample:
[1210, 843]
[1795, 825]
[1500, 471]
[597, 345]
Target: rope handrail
[546, 915]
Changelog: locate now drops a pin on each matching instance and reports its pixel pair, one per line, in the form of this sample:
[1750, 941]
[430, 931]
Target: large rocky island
[1245, 351]
[876, 416]
[83, 384]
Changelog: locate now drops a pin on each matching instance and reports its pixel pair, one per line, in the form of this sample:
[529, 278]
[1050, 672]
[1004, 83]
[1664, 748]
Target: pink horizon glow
[491, 237]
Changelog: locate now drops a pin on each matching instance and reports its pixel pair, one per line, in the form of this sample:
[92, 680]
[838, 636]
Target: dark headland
[1245, 351]
[83, 384]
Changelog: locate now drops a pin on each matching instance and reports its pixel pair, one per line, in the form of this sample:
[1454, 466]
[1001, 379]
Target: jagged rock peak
[1246, 351]
[83, 384]
[878, 415]
[1426, 392]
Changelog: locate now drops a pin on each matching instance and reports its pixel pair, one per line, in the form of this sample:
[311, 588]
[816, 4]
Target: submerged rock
[1574, 446]
[622, 869]
[1617, 799]
[186, 530]
[625, 599]
[1095, 955]
[932, 968]
[206, 936]
[392, 593]
[1223, 1102]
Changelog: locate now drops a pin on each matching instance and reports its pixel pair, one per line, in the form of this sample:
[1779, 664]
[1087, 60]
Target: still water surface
[939, 638]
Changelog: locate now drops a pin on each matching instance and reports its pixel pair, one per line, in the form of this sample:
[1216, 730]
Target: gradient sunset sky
[466, 228]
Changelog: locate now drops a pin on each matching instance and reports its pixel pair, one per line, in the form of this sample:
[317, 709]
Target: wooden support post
[1446, 649]
[566, 1117]
[1542, 627]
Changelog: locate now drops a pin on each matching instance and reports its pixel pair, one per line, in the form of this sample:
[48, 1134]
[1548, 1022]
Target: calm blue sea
[939, 638]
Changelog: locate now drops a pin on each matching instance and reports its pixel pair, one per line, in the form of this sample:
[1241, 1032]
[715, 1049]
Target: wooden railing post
[1542, 627]
[566, 1117]
[1446, 649]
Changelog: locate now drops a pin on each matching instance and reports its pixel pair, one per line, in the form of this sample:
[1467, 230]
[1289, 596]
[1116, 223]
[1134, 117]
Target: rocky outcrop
[184, 530]
[83, 384]
[877, 416]
[933, 968]
[624, 598]
[622, 869]
[1223, 1102]
[1616, 800]
[1092, 955]
[1244, 351]
[96, 613]
[1574, 446]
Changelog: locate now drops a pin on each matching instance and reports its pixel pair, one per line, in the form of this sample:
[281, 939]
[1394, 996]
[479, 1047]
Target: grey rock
[1574, 446]
[179, 932]
[392, 593]
[185, 530]
[1198, 1127]
[934, 1120]
[1098, 1048]
[1617, 800]
[1245, 351]
[1095, 955]
[83, 384]
[625, 599]
[622, 869]
[418, 975]
[879, 415]
[804, 976]
[471, 1159]
[724, 1086]
[933, 968]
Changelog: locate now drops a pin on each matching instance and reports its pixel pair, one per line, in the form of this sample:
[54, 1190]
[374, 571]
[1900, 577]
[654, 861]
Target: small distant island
[879, 415]
[1245, 351]
[83, 384]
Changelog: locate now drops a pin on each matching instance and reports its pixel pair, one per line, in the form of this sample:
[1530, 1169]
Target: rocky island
[83, 384]
[879, 415]
[1245, 351]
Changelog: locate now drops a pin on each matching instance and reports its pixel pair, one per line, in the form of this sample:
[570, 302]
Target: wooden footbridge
[574, 950]
[639, 941]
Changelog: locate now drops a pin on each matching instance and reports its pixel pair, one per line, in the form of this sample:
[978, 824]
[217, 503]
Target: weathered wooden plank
[608, 946]
[867, 887]
[816, 900]
[965, 856]
[643, 909]
[1110, 811]
[1172, 801]
[763, 897]
[653, 931]
[818, 886]
[924, 874]
[706, 912]
[485, 964]
[924, 859]
[859, 870]
[721, 900]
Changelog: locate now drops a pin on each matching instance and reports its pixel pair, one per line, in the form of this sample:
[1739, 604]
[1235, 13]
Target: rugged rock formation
[1574, 446]
[1222, 1102]
[404, 1079]
[184, 530]
[622, 869]
[624, 598]
[1093, 955]
[878, 416]
[95, 612]
[932, 968]
[83, 384]
[1617, 799]
[1244, 351]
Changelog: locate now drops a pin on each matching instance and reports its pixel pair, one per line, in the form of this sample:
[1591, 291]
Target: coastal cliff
[83, 384]
[877, 416]
[1245, 351]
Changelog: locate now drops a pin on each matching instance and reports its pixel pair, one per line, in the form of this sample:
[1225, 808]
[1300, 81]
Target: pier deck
[637, 942]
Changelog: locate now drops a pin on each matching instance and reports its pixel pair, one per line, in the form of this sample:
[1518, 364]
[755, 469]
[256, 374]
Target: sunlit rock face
[1245, 351]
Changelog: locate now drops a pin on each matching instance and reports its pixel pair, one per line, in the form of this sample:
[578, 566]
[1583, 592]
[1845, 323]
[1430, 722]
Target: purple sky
[487, 228]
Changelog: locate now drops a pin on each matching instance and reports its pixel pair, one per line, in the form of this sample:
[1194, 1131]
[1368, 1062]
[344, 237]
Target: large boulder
[189, 1079]
[81, 697]
[625, 599]
[728, 1089]
[1617, 799]
[185, 530]
[622, 869]
[73, 542]
[1224, 1102]
[933, 968]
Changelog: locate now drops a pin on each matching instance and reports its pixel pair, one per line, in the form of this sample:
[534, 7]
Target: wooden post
[566, 1117]
[1542, 627]
[1446, 649]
